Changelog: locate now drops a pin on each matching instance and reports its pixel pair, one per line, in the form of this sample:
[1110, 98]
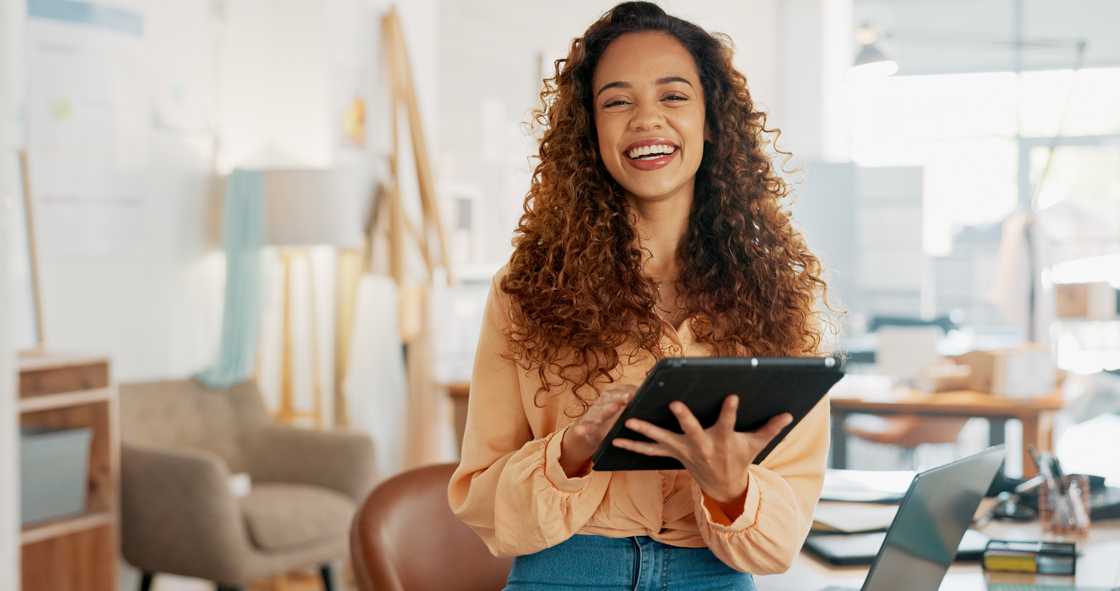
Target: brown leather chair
[405, 538]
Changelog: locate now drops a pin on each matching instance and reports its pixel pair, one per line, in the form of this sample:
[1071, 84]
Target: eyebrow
[659, 82]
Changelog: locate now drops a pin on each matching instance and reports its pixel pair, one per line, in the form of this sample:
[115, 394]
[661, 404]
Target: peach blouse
[509, 486]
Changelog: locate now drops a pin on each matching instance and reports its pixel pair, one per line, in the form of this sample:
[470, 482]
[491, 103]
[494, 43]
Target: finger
[648, 449]
[689, 424]
[611, 413]
[774, 426]
[623, 391]
[613, 396]
[603, 414]
[621, 396]
[663, 436]
[728, 413]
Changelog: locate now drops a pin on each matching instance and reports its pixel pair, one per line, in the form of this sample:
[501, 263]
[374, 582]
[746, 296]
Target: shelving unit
[77, 552]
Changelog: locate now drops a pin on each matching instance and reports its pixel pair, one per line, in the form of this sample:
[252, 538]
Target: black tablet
[767, 387]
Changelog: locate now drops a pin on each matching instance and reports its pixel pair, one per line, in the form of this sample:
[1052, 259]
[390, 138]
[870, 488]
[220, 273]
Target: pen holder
[1064, 509]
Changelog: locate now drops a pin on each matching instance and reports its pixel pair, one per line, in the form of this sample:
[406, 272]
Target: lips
[650, 154]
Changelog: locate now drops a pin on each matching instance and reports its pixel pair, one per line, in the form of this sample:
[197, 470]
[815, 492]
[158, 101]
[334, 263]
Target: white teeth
[653, 149]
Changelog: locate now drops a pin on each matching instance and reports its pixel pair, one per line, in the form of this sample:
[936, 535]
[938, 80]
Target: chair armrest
[342, 461]
[178, 514]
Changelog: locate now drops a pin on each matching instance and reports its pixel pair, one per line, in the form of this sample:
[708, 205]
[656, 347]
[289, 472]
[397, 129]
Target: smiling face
[649, 115]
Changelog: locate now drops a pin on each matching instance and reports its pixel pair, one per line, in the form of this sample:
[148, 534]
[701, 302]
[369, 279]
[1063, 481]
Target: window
[962, 130]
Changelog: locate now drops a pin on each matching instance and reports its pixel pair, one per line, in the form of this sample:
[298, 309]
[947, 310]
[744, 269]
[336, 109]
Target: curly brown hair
[748, 281]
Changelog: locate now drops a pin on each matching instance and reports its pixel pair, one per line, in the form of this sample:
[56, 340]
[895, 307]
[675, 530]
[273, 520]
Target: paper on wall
[88, 130]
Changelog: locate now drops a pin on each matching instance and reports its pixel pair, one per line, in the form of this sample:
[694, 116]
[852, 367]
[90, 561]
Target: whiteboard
[88, 126]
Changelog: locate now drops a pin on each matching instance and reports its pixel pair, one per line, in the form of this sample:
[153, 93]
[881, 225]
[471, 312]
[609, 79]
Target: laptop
[923, 538]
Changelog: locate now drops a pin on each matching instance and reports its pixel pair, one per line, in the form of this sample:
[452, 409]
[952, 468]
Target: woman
[652, 228]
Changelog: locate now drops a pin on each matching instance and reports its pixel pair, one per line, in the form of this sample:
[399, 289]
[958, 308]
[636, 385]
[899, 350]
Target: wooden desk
[1033, 413]
[459, 392]
[1097, 566]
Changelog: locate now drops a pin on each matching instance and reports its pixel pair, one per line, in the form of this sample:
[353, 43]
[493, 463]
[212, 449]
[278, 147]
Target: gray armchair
[180, 444]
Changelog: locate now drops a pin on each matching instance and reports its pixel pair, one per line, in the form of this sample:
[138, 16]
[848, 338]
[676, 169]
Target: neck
[661, 224]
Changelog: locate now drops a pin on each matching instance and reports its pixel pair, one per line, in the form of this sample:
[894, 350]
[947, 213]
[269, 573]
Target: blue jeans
[616, 564]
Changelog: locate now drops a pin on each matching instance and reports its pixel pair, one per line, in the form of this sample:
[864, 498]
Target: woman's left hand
[717, 457]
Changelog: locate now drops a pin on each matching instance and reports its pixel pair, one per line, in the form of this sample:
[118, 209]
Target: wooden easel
[403, 93]
[390, 220]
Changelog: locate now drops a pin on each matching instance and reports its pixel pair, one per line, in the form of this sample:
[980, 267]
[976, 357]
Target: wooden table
[1097, 566]
[1033, 413]
[459, 392]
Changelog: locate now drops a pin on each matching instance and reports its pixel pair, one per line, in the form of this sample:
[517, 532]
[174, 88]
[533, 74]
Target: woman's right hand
[584, 436]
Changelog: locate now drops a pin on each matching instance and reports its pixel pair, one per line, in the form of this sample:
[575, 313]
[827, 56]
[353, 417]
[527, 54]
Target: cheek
[697, 127]
[604, 134]
[608, 152]
[604, 147]
[696, 136]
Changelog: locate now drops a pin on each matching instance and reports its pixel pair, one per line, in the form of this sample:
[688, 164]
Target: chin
[651, 195]
[653, 191]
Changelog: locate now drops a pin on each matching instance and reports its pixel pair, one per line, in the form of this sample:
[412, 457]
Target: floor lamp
[306, 208]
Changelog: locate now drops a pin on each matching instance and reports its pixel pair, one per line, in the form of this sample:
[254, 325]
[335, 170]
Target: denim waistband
[616, 564]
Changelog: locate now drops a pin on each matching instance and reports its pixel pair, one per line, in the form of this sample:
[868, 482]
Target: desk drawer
[70, 378]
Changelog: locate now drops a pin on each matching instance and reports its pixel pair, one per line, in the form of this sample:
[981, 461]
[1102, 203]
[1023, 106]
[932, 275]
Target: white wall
[812, 60]
[274, 84]
[11, 69]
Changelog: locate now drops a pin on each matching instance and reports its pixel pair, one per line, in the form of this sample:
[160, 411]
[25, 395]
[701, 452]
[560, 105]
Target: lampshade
[316, 207]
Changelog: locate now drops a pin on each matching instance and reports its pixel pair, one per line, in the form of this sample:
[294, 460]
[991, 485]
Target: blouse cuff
[554, 472]
[715, 517]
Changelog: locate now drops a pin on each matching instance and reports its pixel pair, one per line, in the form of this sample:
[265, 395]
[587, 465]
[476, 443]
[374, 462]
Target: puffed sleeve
[777, 512]
[509, 486]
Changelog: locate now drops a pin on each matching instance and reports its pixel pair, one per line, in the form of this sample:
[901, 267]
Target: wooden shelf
[77, 552]
[35, 361]
[37, 532]
[63, 400]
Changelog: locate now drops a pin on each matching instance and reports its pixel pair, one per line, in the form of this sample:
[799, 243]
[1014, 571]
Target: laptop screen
[938, 508]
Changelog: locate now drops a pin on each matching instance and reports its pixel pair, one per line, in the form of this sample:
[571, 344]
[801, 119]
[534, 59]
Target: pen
[1059, 474]
[1043, 467]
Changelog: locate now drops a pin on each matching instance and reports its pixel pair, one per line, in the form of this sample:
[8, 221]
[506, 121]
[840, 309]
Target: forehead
[644, 57]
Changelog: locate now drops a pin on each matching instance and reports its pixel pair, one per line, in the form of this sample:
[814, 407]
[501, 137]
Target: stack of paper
[852, 518]
[868, 486]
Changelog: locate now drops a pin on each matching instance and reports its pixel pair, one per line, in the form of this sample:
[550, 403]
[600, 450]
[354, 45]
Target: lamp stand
[348, 265]
[287, 412]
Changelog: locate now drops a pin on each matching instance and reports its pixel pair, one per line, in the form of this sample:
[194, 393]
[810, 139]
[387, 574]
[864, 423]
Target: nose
[646, 118]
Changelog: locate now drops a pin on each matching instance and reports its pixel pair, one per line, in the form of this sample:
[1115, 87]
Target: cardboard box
[1021, 372]
[1087, 301]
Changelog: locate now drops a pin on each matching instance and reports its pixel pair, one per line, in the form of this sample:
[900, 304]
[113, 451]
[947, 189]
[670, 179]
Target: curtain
[243, 235]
